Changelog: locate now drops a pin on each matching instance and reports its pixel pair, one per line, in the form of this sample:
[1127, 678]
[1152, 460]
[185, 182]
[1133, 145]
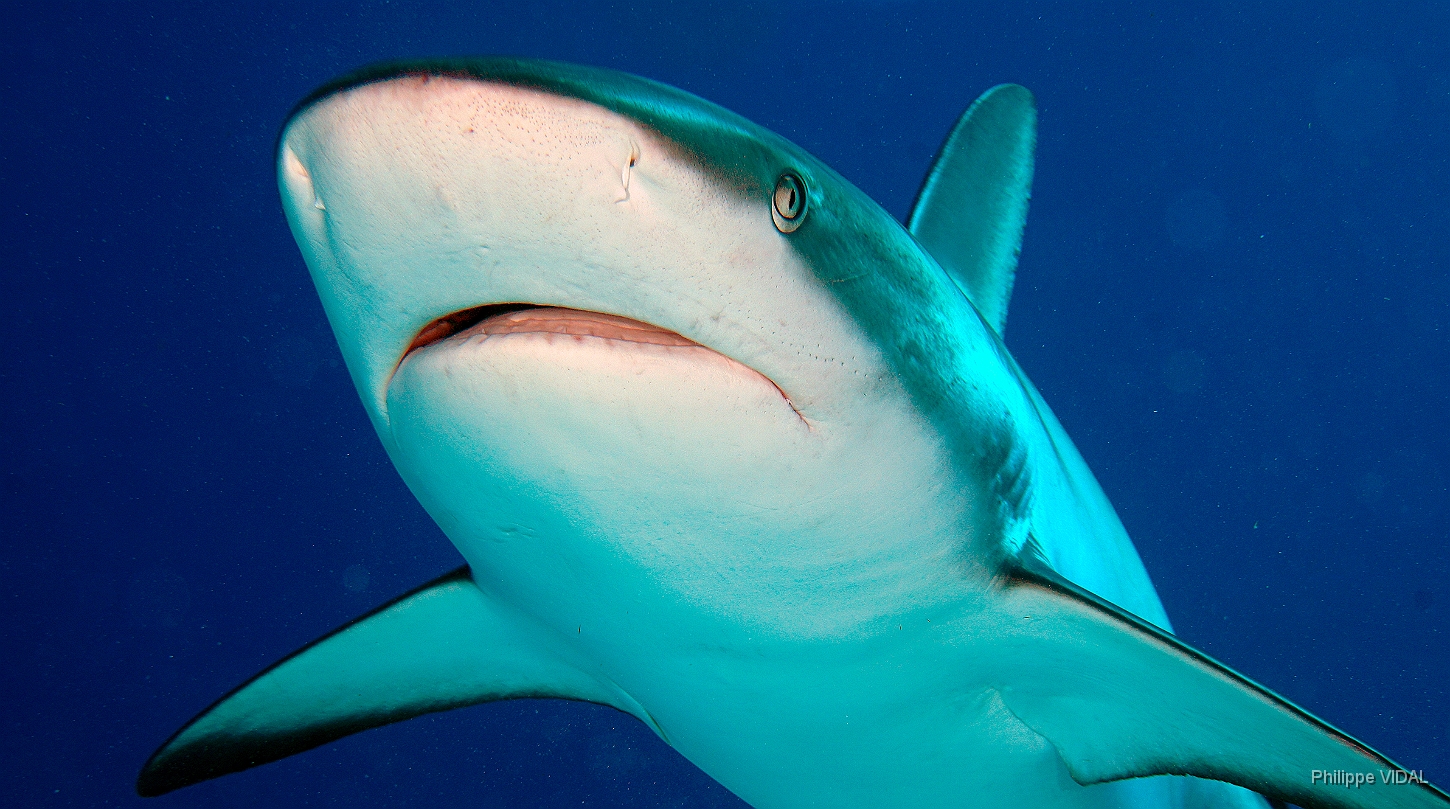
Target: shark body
[729, 449]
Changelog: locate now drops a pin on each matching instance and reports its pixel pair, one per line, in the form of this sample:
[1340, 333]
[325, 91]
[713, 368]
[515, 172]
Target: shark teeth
[515, 318]
[578, 323]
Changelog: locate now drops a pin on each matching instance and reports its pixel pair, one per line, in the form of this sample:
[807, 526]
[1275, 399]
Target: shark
[729, 449]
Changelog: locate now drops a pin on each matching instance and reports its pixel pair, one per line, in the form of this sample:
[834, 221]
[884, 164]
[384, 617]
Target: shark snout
[424, 202]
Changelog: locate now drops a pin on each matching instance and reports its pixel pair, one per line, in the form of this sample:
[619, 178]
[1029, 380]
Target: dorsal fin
[972, 206]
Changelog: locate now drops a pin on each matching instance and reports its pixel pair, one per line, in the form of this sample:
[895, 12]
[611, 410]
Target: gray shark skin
[729, 449]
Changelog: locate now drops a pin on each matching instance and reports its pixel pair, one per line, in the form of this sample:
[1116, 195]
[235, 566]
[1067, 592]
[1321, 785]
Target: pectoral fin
[445, 645]
[1119, 698]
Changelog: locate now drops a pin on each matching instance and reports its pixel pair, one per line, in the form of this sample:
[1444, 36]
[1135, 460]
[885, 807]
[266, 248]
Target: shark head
[581, 307]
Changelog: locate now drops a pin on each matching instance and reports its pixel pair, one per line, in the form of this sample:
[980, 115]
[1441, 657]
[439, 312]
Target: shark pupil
[789, 201]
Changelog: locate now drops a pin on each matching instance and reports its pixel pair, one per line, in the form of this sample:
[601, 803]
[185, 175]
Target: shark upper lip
[525, 318]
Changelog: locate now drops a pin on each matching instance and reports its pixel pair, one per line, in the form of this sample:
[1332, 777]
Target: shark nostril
[301, 179]
[294, 165]
[628, 171]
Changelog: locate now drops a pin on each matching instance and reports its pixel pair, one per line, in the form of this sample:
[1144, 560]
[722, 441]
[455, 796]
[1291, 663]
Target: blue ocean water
[1233, 292]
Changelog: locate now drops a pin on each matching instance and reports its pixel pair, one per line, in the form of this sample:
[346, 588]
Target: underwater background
[1233, 292]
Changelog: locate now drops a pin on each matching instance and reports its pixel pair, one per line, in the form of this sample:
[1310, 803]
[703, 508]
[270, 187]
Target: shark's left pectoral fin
[1119, 698]
[972, 207]
[445, 645]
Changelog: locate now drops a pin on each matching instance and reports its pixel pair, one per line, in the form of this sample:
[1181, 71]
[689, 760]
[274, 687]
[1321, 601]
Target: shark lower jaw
[547, 440]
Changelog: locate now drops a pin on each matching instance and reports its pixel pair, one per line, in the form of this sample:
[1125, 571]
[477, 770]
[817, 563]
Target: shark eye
[788, 207]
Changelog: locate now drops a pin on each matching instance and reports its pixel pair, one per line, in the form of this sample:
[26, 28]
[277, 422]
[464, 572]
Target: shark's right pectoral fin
[445, 645]
[1119, 698]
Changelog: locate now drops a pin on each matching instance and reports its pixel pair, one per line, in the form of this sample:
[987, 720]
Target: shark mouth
[527, 318]
[524, 318]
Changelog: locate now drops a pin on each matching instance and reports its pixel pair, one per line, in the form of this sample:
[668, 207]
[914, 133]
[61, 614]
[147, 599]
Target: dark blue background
[1233, 292]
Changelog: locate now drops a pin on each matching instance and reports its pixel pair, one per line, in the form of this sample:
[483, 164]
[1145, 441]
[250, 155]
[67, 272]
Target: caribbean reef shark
[731, 450]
